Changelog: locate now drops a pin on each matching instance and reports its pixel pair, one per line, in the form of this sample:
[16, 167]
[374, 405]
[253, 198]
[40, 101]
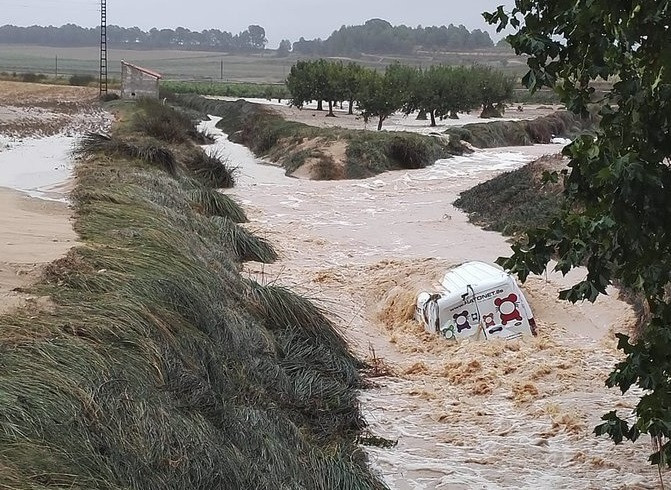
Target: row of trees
[438, 92]
[252, 38]
[375, 36]
[378, 36]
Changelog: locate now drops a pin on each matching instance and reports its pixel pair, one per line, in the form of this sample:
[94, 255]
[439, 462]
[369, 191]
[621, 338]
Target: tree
[382, 95]
[257, 36]
[300, 83]
[495, 89]
[284, 48]
[316, 80]
[615, 220]
[333, 88]
[443, 91]
[351, 83]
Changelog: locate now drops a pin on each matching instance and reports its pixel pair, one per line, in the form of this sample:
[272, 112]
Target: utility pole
[103, 47]
[222, 69]
[56, 66]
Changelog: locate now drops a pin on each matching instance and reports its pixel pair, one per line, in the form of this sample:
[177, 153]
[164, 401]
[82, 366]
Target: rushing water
[480, 415]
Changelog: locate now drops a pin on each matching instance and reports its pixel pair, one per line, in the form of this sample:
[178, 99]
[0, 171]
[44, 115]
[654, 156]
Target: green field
[199, 65]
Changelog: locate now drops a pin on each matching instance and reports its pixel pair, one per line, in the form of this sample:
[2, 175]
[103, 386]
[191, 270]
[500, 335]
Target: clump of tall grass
[163, 122]
[212, 169]
[245, 245]
[94, 143]
[282, 309]
[209, 202]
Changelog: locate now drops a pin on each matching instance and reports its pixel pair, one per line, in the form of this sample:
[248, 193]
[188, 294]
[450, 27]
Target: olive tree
[615, 220]
[495, 88]
[382, 95]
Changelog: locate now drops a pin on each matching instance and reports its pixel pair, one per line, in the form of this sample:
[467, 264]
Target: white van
[478, 301]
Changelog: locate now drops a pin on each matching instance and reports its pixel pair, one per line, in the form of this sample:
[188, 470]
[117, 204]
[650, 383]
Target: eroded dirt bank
[478, 415]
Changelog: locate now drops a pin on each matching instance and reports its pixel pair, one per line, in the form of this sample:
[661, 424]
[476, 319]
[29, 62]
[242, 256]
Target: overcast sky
[288, 19]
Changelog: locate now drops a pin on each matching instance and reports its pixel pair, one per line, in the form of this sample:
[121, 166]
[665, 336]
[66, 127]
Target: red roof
[143, 70]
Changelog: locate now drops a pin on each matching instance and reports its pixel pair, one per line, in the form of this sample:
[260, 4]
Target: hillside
[378, 36]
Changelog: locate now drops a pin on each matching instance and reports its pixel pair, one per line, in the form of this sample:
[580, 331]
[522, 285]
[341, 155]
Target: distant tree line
[251, 39]
[437, 92]
[378, 36]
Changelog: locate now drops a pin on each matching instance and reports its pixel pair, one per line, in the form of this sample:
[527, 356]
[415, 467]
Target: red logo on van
[508, 309]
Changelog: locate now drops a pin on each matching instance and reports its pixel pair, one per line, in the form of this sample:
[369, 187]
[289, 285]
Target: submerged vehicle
[479, 301]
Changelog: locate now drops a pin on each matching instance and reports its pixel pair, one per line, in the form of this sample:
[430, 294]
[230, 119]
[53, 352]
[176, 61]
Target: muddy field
[36, 110]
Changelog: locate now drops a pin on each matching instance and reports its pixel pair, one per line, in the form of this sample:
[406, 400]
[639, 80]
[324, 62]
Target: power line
[103, 47]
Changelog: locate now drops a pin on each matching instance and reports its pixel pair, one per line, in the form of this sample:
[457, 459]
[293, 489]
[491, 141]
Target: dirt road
[474, 415]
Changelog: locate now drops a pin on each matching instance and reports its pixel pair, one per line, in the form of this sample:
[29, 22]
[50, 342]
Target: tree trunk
[351, 108]
[421, 116]
[379, 125]
[489, 111]
[330, 114]
[320, 106]
[433, 119]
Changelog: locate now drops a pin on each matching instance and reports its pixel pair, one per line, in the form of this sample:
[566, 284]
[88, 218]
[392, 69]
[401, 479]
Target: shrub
[514, 201]
[110, 96]
[81, 80]
[410, 151]
[521, 133]
[212, 170]
[32, 77]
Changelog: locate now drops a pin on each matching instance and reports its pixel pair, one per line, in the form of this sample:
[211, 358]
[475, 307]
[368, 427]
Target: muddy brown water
[472, 415]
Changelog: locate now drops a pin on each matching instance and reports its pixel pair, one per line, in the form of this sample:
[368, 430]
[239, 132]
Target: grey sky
[281, 18]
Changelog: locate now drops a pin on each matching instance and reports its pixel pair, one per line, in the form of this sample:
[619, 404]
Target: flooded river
[488, 415]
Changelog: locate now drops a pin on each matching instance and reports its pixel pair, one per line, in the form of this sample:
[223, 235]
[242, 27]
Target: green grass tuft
[245, 245]
[209, 202]
[212, 170]
[94, 143]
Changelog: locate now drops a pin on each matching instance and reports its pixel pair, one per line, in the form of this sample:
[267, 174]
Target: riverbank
[156, 363]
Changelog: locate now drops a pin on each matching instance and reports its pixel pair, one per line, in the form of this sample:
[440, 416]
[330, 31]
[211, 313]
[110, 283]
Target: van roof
[478, 275]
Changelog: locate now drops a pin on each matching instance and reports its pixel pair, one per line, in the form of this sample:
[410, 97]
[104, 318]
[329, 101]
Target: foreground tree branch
[616, 217]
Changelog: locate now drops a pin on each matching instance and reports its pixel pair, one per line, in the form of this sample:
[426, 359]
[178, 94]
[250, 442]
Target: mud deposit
[474, 415]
